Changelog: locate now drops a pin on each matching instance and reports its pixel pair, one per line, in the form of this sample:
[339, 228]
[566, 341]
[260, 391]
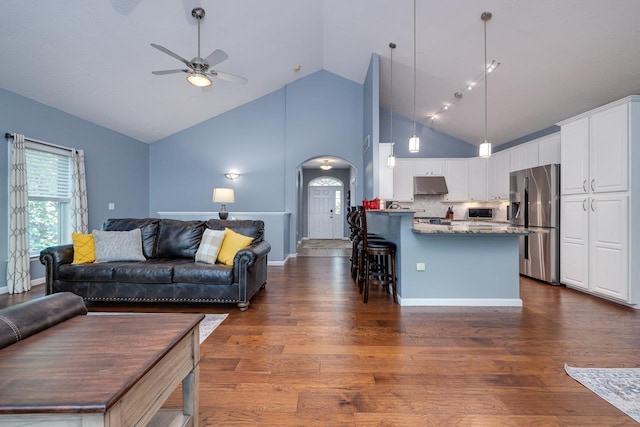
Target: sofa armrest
[247, 257]
[52, 258]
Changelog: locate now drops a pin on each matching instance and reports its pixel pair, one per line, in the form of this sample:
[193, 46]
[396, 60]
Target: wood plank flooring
[308, 351]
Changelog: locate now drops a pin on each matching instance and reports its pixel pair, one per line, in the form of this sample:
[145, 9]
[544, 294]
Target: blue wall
[432, 143]
[117, 166]
[265, 140]
[527, 138]
[371, 126]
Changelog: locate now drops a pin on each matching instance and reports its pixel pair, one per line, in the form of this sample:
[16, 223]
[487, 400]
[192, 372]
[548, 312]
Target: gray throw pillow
[118, 245]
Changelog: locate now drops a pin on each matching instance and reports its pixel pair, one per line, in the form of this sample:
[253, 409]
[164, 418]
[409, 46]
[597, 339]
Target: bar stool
[377, 262]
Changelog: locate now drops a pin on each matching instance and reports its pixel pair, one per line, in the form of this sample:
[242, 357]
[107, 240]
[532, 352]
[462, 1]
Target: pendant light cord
[392, 46]
[485, 81]
[414, 67]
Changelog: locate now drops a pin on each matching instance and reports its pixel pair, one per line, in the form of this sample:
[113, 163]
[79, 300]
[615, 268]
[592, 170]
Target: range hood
[429, 185]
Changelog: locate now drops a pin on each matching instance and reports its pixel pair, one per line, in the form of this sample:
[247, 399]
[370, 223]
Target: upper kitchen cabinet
[498, 176]
[477, 179]
[429, 167]
[523, 156]
[385, 173]
[595, 151]
[456, 175]
[549, 149]
[403, 180]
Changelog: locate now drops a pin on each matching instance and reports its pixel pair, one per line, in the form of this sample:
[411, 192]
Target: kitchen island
[466, 263]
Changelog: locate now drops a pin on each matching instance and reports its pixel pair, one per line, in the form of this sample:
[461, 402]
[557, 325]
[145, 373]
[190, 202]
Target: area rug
[620, 387]
[208, 324]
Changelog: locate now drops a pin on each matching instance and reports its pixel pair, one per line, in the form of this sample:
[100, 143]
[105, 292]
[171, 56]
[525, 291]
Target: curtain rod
[10, 135]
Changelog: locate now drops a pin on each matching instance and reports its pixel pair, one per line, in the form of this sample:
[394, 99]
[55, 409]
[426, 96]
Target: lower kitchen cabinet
[594, 248]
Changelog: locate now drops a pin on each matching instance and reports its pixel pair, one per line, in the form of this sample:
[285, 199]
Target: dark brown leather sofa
[169, 273]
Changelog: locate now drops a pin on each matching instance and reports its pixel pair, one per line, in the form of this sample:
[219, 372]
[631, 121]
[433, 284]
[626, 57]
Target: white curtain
[18, 274]
[80, 216]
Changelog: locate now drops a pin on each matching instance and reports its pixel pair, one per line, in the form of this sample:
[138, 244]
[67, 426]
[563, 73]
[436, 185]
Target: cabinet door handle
[584, 185]
[593, 181]
[593, 207]
[584, 205]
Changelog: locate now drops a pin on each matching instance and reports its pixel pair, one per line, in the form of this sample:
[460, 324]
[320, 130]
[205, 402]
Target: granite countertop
[467, 227]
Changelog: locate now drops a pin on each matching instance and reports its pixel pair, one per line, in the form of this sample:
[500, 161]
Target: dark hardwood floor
[308, 351]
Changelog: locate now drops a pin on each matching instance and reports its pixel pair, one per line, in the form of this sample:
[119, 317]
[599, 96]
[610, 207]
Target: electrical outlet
[420, 266]
[112, 206]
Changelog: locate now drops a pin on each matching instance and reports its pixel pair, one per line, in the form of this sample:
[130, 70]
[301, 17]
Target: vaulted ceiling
[93, 59]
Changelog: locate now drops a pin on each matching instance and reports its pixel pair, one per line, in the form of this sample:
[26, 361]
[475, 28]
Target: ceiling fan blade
[216, 57]
[228, 77]
[207, 88]
[159, 73]
[175, 55]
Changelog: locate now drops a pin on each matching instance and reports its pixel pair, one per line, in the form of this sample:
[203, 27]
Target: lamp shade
[485, 149]
[198, 79]
[414, 144]
[223, 195]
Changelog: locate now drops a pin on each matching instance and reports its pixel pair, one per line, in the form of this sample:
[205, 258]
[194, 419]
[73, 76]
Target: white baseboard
[280, 263]
[35, 282]
[460, 302]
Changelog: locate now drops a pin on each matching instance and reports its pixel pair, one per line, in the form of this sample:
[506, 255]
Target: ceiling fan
[199, 70]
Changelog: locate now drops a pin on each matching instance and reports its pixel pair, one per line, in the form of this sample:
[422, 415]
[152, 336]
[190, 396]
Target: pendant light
[391, 160]
[414, 141]
[485, 147]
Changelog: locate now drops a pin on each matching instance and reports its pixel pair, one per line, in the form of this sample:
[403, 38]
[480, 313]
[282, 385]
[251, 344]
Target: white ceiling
[92, 58]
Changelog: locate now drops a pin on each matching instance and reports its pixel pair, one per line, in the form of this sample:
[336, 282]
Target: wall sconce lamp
[223, 196]
[232, 175]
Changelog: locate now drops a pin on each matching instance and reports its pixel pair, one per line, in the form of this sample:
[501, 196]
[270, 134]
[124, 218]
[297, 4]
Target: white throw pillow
[210, 246]
[118, 245]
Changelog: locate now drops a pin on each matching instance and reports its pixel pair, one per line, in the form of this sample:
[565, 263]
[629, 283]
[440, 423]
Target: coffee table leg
[190, 395]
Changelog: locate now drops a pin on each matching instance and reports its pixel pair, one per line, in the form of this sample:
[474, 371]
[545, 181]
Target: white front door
[325, 212]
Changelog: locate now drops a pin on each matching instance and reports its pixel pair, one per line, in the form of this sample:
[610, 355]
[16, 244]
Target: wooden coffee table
[103, 370]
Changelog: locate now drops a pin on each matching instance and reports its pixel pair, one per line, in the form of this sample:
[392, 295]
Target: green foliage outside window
[44, 228]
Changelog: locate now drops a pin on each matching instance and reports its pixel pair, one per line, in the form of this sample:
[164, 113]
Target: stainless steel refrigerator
[534, 203]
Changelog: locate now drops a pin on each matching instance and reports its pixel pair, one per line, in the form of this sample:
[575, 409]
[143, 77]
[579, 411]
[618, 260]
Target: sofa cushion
[203, 273]
[210, 246]
[118, 245]
[155, 270]
[86, 272]
[84, 248]
[179, 239]
[232, 243]
[246, 227]
[148, 227]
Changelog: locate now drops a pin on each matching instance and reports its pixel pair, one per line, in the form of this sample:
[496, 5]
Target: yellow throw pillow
[232, 243]
[84, 248]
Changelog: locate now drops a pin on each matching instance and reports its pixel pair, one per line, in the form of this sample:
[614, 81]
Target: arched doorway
[326, 208]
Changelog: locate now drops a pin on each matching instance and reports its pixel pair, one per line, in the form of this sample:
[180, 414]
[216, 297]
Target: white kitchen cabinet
[574, 152]
[549, 149]
[608, 150]
[498, 176]
[385, 173]
[428, 167]
[457, 176]
[477, 179]
[600, 172]
[403, 180]
[608, 249]
[574, 241]
[523, 156]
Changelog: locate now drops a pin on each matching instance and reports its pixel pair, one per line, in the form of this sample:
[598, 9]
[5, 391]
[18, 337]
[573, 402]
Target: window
[48, 195]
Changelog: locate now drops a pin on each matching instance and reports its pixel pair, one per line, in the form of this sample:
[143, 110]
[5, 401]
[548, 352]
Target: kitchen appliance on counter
[534, 203]
[480, 213]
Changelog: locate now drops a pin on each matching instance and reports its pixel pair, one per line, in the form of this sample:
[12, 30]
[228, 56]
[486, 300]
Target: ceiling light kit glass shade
[485, 147]
[326, 166]
[200, 80]
[391, 160]
[414, 141]
[232, 175]
[223, 196]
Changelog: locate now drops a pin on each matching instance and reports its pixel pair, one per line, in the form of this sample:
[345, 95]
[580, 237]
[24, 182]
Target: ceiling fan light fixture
[198, 79]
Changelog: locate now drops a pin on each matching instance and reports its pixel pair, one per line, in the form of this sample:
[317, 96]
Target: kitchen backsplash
[436, 206]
